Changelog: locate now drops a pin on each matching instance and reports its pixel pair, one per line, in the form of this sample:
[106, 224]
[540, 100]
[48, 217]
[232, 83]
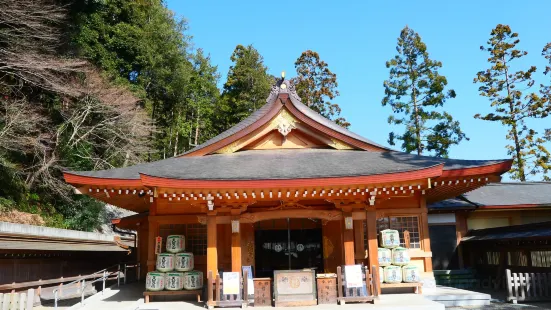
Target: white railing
[102, 275]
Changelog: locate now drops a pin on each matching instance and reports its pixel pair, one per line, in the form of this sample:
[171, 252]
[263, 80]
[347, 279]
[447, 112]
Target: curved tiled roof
[502, 194]
[284, 164]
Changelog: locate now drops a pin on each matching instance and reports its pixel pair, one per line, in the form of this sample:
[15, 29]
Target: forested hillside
[92, 84]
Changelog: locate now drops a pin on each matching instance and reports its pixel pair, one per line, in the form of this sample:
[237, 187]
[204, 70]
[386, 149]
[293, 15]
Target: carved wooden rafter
[202, 219]
[349, 203]
[327, 215]
[290, 205]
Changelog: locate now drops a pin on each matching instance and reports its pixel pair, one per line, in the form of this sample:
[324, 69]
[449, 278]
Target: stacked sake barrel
[174, 268]
[394, 260]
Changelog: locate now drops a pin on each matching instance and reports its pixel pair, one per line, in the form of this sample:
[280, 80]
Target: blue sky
[355, 38]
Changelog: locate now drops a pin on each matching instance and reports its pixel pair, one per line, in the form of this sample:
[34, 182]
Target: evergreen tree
[247, 87]
[415, 90]
[545, 90]
[510, 96]
[142, 45]
[202, 101]
[316, 85]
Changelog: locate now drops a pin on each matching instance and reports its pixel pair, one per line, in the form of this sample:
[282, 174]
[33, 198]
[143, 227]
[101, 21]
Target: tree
[142, 45]
[195, 116]
[545, 91]
[316, 85]
[247, 87]
[415, 91]
[514, 104]
[56, 113]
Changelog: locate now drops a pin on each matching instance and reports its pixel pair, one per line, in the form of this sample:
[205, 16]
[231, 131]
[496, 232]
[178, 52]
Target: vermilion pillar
[212, 252]
[372, 243]
[236, 247]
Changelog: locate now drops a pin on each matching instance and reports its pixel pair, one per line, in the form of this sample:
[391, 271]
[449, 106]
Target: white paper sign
[250, 287]
[230, 283]
[353, 276]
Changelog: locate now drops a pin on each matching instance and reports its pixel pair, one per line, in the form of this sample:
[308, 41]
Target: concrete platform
[385, 302]
[455, 297]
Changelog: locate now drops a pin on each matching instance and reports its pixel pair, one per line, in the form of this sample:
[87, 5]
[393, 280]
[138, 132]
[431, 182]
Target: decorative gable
[284, 131]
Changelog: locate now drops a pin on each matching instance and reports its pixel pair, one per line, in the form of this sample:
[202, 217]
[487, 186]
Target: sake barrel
[411, 274]
[400, 256]
[381, 275]
[184, 261]
[174, 281]
[390, 238]
[193, 280]
[165, 262]
[155, 281]
[393, 274]
[175, 243]
[385, 256]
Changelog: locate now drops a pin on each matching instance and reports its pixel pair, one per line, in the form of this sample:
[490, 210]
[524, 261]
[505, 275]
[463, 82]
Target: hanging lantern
[235, 226]
[348, 222]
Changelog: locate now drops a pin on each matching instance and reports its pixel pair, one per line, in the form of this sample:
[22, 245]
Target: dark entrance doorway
[288, 244]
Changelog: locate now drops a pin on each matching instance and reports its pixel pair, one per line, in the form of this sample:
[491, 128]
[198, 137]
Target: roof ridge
[284, 87]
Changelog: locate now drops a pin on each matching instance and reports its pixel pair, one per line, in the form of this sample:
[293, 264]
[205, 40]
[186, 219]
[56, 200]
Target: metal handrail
[104, 278]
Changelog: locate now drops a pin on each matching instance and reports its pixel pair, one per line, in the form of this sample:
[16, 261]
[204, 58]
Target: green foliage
[144, 46]
[316, 85]
[195, 118]
[247, 87]
[415, 91]
[514, 104]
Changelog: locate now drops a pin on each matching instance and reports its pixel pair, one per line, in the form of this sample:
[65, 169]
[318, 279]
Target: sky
[356, 38]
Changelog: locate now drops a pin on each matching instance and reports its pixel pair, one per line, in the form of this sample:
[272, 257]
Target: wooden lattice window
[196, 236]
[401, 224]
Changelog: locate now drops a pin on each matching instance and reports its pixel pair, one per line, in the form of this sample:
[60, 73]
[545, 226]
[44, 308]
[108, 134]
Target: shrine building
[285, 189]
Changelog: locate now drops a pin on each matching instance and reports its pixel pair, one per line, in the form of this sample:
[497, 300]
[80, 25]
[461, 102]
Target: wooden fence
[528, 286]
[219, 299]
[17, 301]
[367, 293]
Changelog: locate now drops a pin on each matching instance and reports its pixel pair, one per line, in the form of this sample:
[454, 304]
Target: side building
[491, 213]
[39, 257]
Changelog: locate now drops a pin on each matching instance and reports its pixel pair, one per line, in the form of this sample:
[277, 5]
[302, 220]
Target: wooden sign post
[158, 245]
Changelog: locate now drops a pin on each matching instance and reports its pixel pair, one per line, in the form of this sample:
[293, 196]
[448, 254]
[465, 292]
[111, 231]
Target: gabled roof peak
[282, 86]
[283, 95]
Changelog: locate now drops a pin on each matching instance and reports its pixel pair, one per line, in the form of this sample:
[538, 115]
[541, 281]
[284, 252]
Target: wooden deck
[417, 287]
[147, 294]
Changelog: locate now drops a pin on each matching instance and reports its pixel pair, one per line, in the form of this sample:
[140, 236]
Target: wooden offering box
[295, 288]
[327, 288]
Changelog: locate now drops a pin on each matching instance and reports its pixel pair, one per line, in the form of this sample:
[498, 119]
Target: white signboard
[250, 283]
[353, 276]
[230, 283]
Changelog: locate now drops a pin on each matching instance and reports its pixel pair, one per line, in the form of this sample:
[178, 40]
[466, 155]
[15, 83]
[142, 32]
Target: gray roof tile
[504, 194]
[525, 231]
[282, 164]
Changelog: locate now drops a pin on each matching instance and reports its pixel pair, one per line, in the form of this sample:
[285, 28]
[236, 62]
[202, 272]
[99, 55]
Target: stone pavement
[506, 306]
[130, 297]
